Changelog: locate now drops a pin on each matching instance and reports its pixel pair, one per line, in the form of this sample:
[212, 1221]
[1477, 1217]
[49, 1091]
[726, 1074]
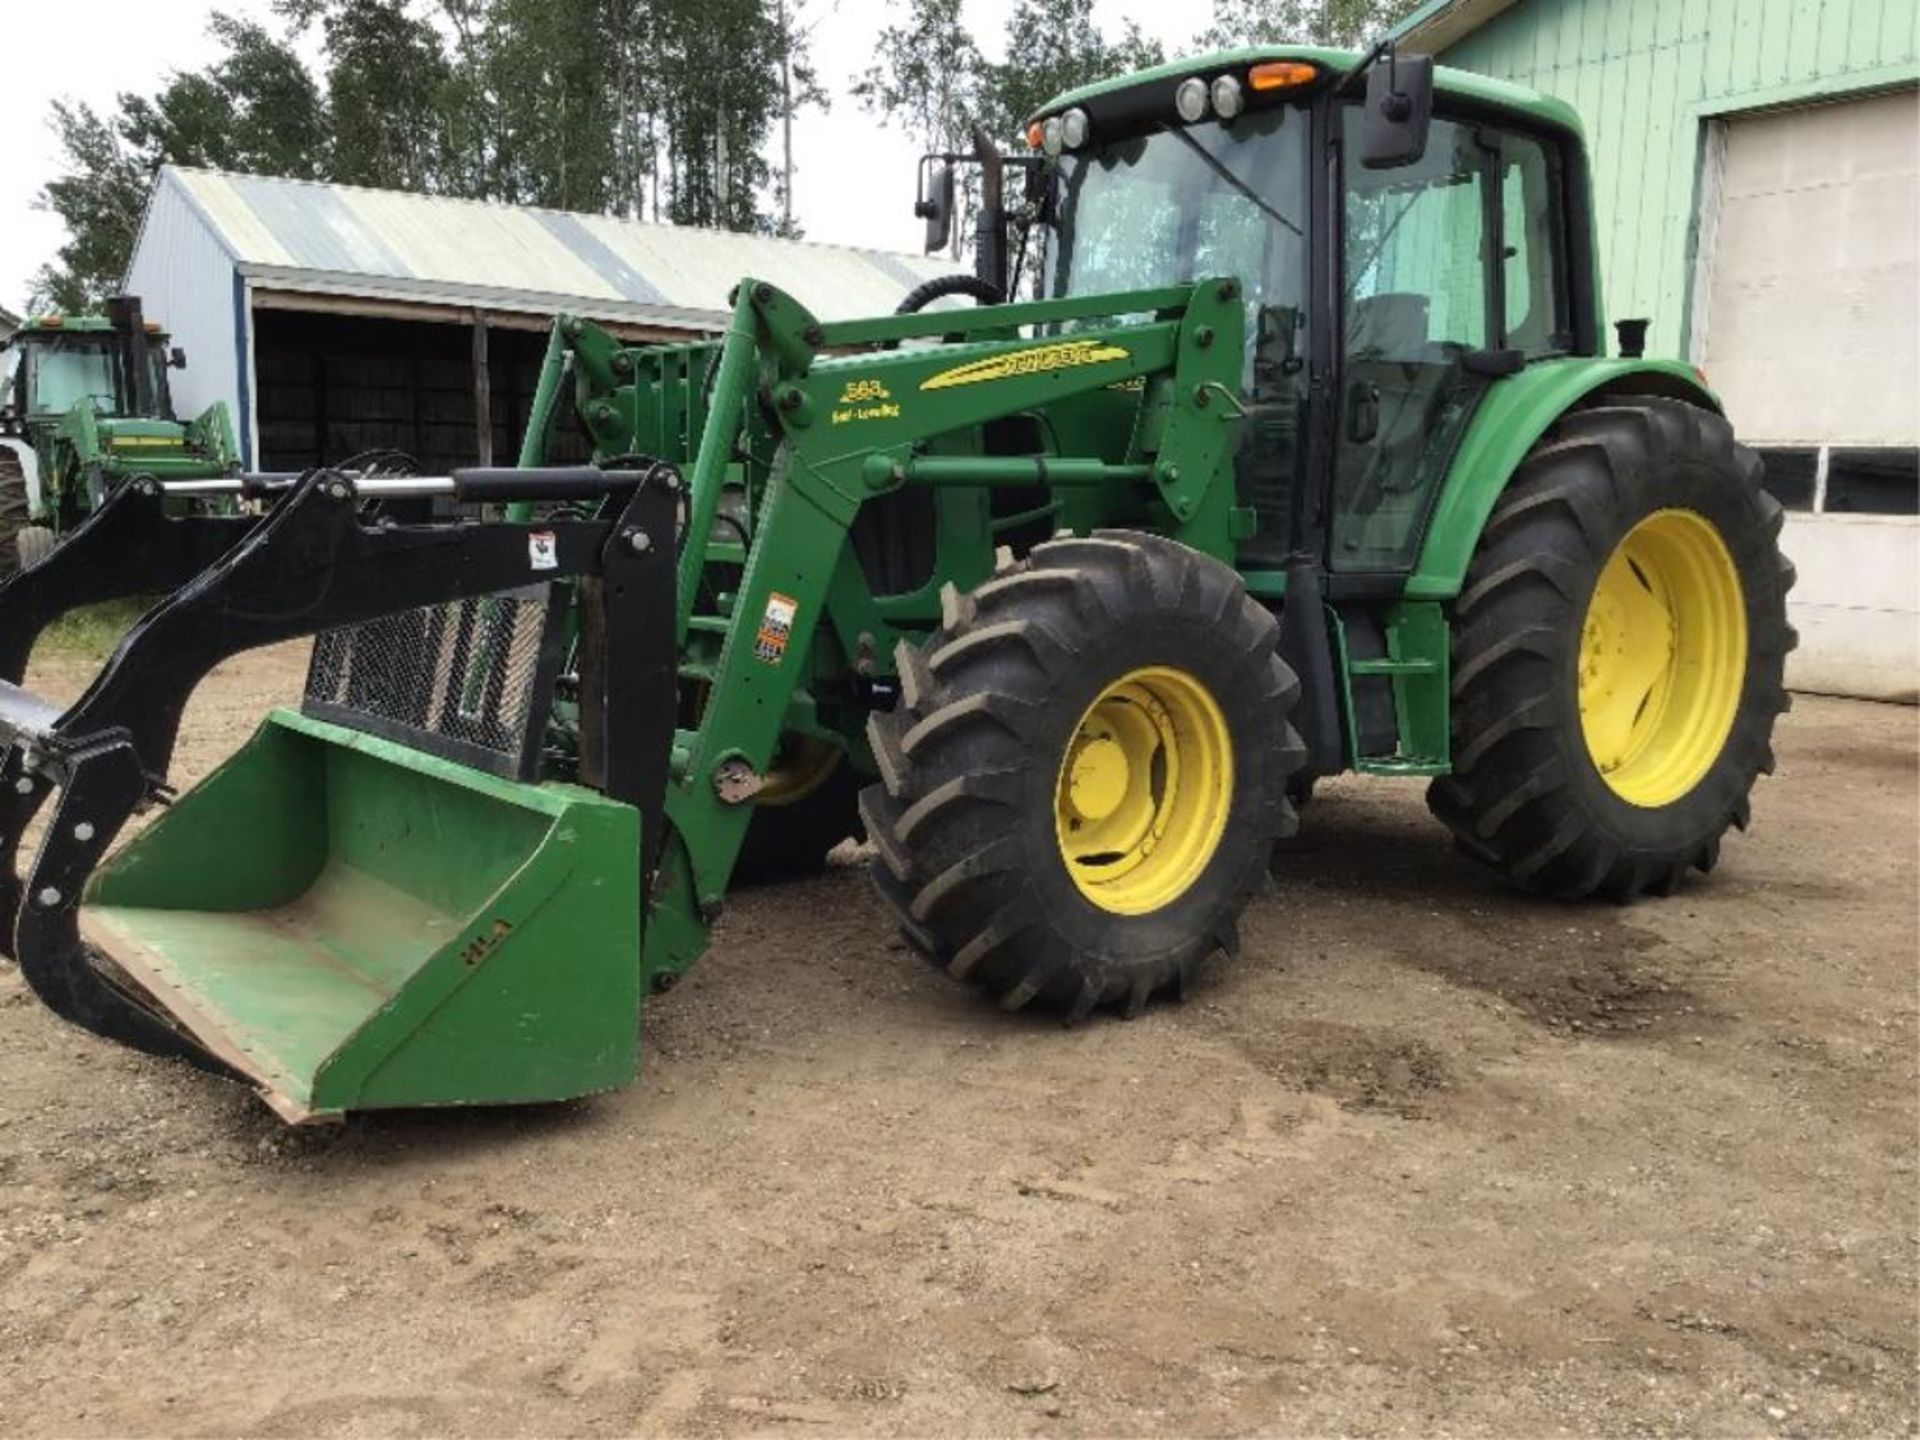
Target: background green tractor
[1310, 458]
[84, 404]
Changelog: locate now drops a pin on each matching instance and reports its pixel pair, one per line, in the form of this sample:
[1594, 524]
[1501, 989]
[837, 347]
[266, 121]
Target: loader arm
[849, 413]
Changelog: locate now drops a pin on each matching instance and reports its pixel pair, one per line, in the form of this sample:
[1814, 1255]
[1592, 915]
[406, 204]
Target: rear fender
[1515, 414]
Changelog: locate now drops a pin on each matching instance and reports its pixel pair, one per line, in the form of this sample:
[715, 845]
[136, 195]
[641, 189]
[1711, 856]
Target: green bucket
[352, 924]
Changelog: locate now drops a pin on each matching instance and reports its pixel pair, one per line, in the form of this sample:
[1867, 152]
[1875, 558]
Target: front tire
[14, 514]
[1085, 774]
[1618, 654]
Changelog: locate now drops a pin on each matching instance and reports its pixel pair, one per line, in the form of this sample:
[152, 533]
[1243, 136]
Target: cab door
[1452, 273]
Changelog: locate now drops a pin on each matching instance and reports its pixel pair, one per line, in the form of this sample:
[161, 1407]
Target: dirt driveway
[1430, 1157]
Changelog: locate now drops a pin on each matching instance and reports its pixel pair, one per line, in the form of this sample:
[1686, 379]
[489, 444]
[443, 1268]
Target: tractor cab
[1397, 255]
[57, 362]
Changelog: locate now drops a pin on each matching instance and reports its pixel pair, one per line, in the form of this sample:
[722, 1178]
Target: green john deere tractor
[1309, 458]
[84, 404]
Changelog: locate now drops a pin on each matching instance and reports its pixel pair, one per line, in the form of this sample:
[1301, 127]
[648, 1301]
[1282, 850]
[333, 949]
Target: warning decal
[776, 628]
[543, 551]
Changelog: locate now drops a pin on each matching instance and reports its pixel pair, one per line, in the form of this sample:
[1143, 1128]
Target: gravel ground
[1430, 1157]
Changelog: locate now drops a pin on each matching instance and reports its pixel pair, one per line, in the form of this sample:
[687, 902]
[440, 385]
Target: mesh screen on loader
[470, 680]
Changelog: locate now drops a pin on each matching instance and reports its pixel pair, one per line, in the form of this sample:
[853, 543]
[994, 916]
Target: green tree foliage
[387, 91]
[531, 109]
[712, 125]
[928, 75]
[100, 195]
[1299, 22]
[256, 108]
[645, 108]
[1055, 47]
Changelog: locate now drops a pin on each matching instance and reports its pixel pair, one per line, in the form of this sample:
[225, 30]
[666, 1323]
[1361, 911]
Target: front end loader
[1308, 458]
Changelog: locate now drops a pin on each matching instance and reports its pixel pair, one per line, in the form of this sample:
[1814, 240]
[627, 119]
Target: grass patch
[92, 631]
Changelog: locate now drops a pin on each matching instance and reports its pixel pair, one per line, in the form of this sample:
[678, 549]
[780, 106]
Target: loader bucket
[352, 924]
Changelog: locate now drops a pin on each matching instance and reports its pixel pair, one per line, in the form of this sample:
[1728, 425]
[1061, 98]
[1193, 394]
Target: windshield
[71, 368]
[1188, 203]
[1195, 203]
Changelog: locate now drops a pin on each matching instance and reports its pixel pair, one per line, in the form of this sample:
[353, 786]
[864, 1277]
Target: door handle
[1363, 411]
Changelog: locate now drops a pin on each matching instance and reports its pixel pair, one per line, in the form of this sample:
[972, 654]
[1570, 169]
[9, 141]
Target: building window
[1873, 482]
[1844, 480]
[1792, 476]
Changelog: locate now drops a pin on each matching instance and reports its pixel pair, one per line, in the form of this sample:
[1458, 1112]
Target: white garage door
[1813, 278]
[1807, 321]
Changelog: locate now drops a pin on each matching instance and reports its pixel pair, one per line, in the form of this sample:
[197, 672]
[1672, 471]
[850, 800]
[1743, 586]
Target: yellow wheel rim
[800, 767]
[1143, 791]
[1663, 658]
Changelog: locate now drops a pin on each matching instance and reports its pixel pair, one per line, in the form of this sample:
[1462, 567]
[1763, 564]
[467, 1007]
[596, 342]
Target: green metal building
[1757, 185]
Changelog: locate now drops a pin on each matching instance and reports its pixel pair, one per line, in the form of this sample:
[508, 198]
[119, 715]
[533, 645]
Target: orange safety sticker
[776, 628]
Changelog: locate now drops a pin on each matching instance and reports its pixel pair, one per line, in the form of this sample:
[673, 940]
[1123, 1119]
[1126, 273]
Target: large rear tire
[1617, 655]
[1085, 774]
[14, 514]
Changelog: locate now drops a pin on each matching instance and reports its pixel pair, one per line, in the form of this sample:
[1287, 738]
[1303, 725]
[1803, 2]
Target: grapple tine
[22, 793]
[128, 546]
[103, 785]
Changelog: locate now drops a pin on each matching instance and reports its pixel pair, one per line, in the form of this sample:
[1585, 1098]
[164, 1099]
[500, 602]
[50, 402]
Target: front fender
[1515, 414]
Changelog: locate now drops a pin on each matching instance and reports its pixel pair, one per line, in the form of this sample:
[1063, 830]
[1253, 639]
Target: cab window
[66, 371]
[1444, 262]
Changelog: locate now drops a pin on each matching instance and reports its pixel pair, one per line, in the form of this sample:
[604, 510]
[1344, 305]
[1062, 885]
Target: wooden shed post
[482, 389]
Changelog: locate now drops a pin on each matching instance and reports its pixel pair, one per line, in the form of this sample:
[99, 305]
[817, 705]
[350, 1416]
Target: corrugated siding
[184, 278]
[502, 255]
[1637, 70]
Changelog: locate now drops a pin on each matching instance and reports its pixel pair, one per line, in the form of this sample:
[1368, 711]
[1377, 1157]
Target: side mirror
[935, 206]
[176, 359]
[1399, 109]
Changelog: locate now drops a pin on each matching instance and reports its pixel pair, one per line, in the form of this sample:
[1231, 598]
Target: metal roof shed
[334, 318]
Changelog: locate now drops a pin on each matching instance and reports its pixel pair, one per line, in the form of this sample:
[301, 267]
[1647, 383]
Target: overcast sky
[855, 181]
